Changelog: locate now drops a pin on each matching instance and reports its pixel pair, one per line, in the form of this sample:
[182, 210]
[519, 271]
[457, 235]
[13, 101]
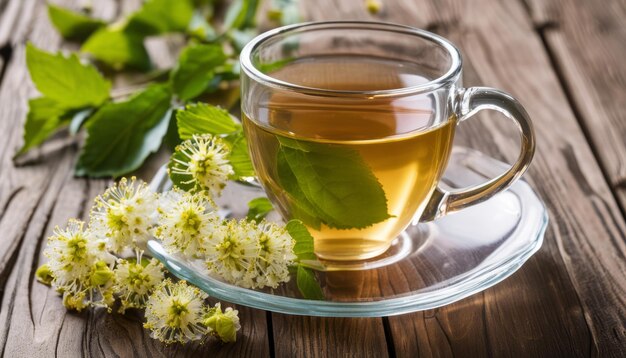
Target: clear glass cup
[350, 118]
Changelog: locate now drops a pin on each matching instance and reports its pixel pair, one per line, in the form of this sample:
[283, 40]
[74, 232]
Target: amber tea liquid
[398, 140]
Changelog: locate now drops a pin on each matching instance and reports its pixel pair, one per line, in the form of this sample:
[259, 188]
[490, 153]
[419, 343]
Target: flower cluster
[203, 162]
[135, 280]
[124, 215]
[79, 267]
[83, 268]
[92, 265]
[176, 312]
[185, 220]
[249, 254]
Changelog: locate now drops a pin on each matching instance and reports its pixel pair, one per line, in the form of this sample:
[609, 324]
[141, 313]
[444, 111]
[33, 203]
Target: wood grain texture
[587, 41]
[36, 197]
[568, 300]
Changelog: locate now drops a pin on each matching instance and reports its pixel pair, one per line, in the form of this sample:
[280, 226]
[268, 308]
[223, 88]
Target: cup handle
[471, 101]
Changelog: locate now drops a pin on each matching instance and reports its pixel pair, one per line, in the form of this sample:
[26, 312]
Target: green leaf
[202, 118]
[200, 28]
[161, 16]
[73, 25]
[118, 49]
[258, 208]
[179, 180]
[335, 181]
[195, 69]
[304, 247]
[172, 139]
[301, 207]
[240, 158]
[78, 119]
[285, 12]
[276, 65]
[240, 38]
[308, 285]
[122, 135]
[241, 14]
[65, 80]
[43, 119]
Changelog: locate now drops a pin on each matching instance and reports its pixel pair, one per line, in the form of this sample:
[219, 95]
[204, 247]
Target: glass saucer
[430, 265]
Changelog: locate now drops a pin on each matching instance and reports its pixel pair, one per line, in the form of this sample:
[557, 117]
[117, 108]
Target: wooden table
[563, 59]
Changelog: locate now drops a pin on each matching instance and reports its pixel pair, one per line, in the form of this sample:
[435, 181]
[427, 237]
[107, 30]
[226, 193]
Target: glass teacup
[350, 126]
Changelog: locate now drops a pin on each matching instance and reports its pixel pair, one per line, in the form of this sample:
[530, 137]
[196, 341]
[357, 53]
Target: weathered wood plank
[299, 336]
[588, 43]
[35, 198]
[569, 299]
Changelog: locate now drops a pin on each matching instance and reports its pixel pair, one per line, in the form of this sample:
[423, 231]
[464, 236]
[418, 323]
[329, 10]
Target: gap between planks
[584, 128]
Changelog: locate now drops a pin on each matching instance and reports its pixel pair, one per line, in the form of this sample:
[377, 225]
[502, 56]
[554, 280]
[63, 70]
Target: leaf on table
[172, 139]
[181, 181]
[275, 66]
[201, 118]
[43, 119]
[335, 181]
[241, 14]
[240, 38]
[239, 157]
[66, 80]
[73, 25]
[307, 284]
[258, 208]
[78, 119]
[285, 12]
[161, 16]
[304, 248]
[195, 69]
[118, 49]
[122, 135]
[200, 28]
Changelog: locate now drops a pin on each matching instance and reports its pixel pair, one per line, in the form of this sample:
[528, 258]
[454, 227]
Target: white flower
[231, 253]
[275, 254]
[222, 324]
[174, 312]
[205, 163]
[124, 215]
[80, 266]
[135, 280]
[186, 220]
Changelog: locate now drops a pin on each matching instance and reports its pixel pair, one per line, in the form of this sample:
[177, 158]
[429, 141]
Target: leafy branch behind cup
[122, 134]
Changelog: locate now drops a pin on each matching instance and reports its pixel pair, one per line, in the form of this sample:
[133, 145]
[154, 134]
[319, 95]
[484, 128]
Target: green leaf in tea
[118, 49]
[241, 14]
[202, 118]
[73, 25]
[161, 16]
[65, 80]
[122, 135]
[335, 181]
[195, 69]
[258, 208]
[239, 156]
[307, 284]
[301, 207]
[43, 119]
